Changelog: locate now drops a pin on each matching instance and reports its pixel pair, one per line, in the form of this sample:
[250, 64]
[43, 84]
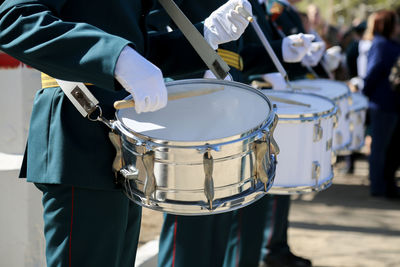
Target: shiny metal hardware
[339, 112]
[351, 126]
[273, 144]
[335, 121]
[329, 144]
[359, 118]
[130, 173]
[339, 138]
[262, 152]
[318, 132]
[350, 100]
[118, 161]
[316, 171]
[150, 184]
[208, 164]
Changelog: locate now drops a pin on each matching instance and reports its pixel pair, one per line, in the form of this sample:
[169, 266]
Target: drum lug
[316, 171]
[339, 138]
[119, 160]
[261, 148]
[329, 144]
[150, 184]
[208, 164]
[351, 126]
[273, 144]
[335, 121]
[318, 132]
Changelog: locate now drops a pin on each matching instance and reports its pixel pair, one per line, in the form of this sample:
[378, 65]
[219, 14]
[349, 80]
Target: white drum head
[328, 88]
[302, 105]
[233, 110]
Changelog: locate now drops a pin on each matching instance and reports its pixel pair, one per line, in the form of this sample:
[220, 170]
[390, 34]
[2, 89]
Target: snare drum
[304, 134]
[339, 93]
[205, 154]
[358, 112]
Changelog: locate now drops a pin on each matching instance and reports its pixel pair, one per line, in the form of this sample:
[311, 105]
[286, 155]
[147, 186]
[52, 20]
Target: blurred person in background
[384, 102]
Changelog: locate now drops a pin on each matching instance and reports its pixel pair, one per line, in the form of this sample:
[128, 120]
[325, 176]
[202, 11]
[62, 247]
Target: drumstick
[305, 87]
[260, 85]
[288, 101]
[121, 104]
[265, 42]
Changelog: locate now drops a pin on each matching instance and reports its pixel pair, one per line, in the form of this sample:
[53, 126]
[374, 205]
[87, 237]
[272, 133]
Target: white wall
[21, 223]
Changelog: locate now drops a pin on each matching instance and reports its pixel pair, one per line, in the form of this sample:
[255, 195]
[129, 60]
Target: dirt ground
[342, 226]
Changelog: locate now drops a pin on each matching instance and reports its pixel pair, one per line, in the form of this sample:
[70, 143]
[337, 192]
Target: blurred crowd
[369, 51]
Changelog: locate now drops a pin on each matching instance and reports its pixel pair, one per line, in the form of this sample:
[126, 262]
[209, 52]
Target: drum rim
[358, 109]
[254, 132]
[334, 99]
[307, 116]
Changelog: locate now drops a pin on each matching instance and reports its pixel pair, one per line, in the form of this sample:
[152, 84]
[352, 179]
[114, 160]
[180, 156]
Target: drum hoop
[308, 116]
[334, 99]
[204, 144]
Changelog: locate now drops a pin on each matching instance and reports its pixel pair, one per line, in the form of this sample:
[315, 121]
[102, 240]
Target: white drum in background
[339, 93]
[200, 155]
[304, 135]
[358, 113]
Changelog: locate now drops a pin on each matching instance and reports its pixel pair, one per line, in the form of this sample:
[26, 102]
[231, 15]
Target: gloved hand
[226, 24]
[332, 57]
[143, 80]
[295, 47]
[357, 83]
[208, 74]
[276, 80]
[314, 54]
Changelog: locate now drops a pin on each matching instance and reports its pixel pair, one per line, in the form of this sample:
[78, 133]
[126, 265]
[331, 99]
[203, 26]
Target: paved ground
[342, 226]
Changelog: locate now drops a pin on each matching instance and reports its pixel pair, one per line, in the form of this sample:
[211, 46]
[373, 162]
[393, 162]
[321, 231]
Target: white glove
[226, 24]
[143, 80]
[332, 57]
[295, 47]
[314, 54]
[210, 75]
[358, 83]
[276, 80]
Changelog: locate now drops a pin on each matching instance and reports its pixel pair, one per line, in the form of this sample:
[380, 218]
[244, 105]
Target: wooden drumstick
[288, 101]
[305, 87]
[121, 104]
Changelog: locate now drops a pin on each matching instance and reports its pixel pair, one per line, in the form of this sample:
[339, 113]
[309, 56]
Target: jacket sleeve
[32, 32]
[374, 69]
[256, 59]
[173, 53]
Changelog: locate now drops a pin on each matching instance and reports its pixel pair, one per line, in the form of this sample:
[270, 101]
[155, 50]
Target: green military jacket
[286, 20]
[81, 41]
[255, 57]
[196, 12]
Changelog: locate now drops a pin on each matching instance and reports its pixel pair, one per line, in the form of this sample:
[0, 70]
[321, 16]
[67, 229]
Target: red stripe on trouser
[238, 245]
[272, 221]
[174, 247]
[70, 233]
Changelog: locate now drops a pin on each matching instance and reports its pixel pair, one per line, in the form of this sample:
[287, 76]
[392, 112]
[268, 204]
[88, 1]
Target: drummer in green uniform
[254, 225]
[206, 240]
[104, 44]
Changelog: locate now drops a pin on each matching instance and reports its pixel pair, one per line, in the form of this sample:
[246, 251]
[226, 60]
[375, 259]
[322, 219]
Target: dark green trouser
[191, 241]
[275, 232]
[85, 227]
[246, 236]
